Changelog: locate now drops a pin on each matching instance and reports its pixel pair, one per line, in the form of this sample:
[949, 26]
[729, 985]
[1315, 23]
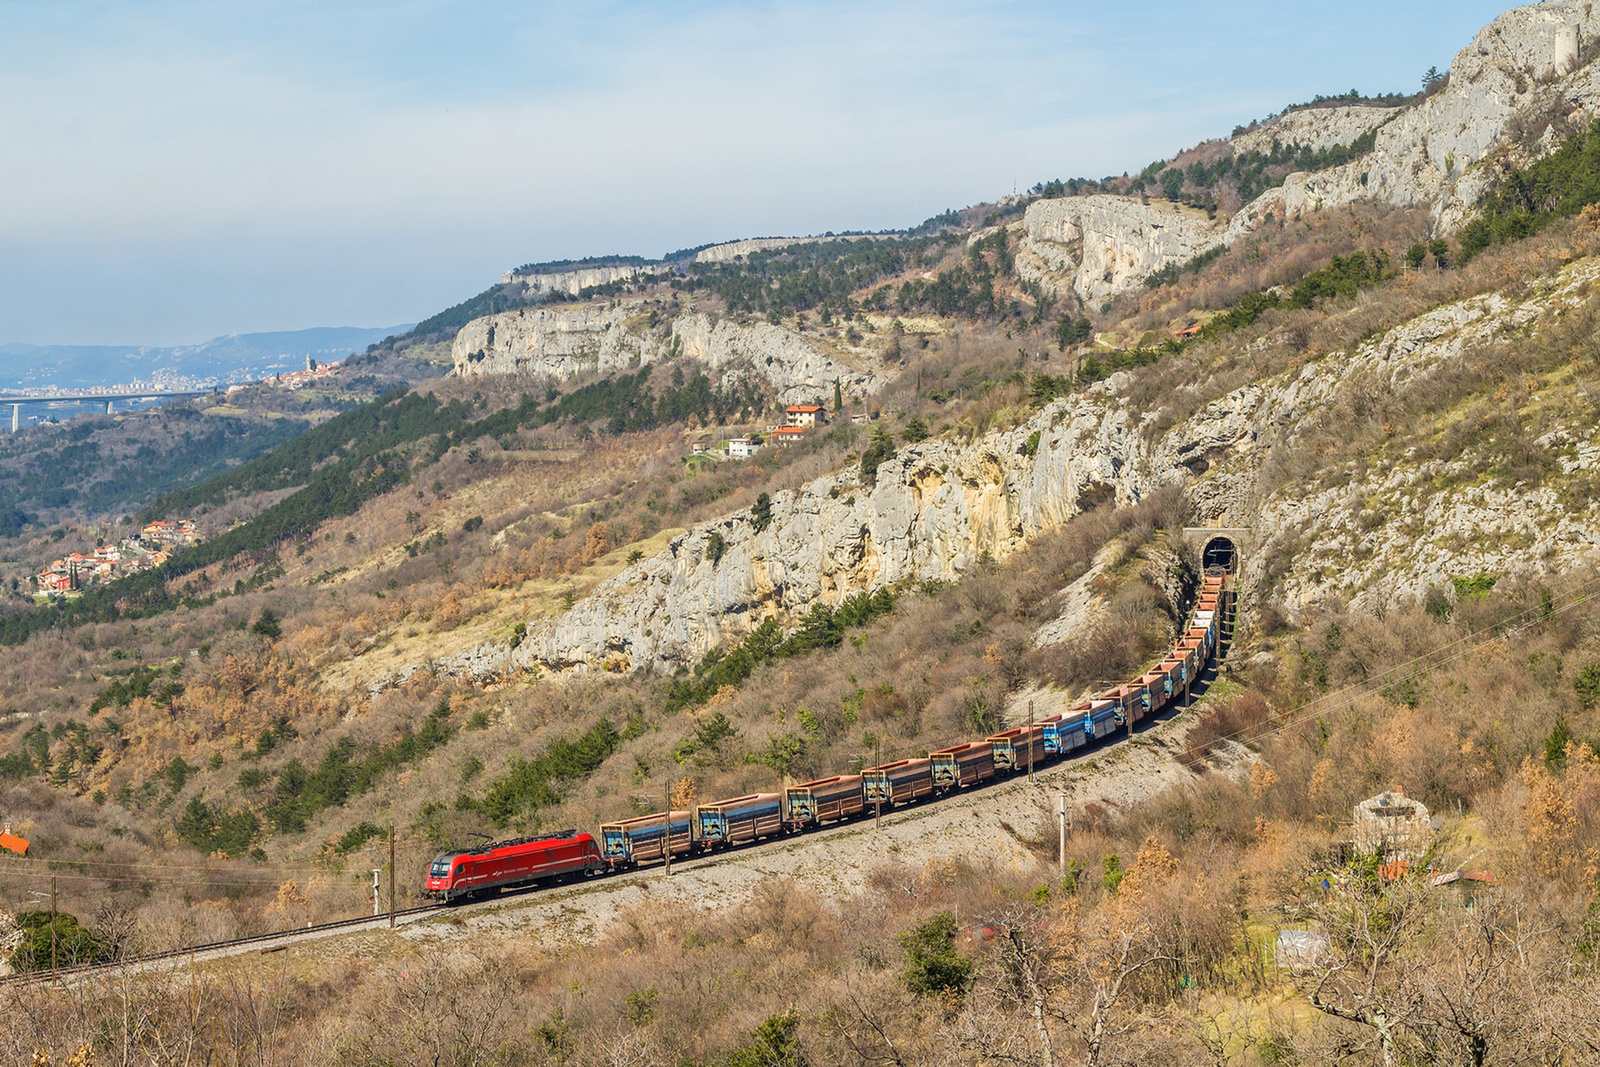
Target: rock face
[1316, 128]
[797, 368]
[941, 505]
[1437, 154]
[732, 250]
[1098, 246]
[564, 341]
[572, 282]
[558, 342]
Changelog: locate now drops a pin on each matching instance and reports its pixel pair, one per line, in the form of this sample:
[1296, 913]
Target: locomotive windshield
[441, 866]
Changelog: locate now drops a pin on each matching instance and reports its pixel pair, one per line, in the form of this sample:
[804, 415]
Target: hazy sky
[174, 171]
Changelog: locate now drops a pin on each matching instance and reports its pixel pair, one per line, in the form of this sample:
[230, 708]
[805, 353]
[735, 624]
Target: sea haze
[220, 361]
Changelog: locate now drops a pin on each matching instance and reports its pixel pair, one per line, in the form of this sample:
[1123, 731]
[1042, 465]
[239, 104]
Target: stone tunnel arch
[1219, 546]
[1220, 552]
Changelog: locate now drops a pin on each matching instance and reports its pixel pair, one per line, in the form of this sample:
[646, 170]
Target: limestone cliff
[1316, 128]
[567, 340]
[1098, 246]
[558, 342]
[729, 251]
[1439, 153]
[942, 504]
[572, 282]
[797, 367]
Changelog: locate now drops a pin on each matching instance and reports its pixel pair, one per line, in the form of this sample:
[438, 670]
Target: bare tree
[1362, 978]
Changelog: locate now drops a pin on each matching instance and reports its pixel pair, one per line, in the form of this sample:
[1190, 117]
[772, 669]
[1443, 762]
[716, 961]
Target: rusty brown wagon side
[1011, 748]
[825, 800]
[899, 782]
[962, 765]
[632, 841]
[739, 820]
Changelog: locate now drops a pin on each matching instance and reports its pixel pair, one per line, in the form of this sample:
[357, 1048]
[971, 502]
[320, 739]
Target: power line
[1355, 690]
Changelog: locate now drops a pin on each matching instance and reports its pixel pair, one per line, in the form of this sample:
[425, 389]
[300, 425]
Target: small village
[798, 420]
[151, 548]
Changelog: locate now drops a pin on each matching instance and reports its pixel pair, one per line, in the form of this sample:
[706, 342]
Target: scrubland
[220, 768]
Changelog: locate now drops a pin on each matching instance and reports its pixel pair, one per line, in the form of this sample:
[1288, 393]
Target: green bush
[216, 829]
[878, 452]
[74, 942]
[528, 785]
[933, 967]
[357, 836]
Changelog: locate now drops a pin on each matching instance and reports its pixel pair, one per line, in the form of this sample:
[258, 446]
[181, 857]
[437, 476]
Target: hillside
[1360, 339]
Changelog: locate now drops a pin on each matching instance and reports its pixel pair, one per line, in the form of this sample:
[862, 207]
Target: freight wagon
[900, 782]
[1101, 720]
[1065, 732]
[633, 841]
[825, 800]
[962, 765]
[509, 864]
[1011, 748]
[738, 821]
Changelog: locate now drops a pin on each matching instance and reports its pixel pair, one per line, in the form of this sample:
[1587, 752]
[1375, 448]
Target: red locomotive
[509, 864]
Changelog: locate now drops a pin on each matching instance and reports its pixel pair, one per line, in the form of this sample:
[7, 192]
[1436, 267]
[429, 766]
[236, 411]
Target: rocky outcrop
[1098, 246]
[1438, 154]
[732, 250]
[556, 342]
[798, 369]
[1441, 154]
[1316, 128]
[567, 340]
[572, 282]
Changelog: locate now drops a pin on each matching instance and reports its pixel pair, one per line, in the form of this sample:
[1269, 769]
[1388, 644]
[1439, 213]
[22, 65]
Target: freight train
[720, 824]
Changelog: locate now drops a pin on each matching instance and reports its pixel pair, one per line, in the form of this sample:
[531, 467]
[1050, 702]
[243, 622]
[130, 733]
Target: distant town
[151, 548]
[165, 382]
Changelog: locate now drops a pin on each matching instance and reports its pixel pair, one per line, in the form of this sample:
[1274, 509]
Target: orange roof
[803, 407]
[792, 431]
[14, 843]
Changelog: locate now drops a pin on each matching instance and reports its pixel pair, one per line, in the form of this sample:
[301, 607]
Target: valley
[623, 533]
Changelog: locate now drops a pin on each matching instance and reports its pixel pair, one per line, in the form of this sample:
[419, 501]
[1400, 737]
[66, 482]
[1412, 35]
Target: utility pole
[877, 803]
[666, 829]
[391, 876]
[1031, 778]
[1061, 849]
[52, 924]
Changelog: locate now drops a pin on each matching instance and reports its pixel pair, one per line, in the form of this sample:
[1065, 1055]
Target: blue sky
[174, 171]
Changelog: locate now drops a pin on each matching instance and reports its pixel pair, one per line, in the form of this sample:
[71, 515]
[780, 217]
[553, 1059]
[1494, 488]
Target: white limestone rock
[557, 342]
[1316, 128]
[1098, 246]
[798, 368]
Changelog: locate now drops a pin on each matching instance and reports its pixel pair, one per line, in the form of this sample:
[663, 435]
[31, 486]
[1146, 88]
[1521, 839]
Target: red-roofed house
[11, 841]
[804, 415]
[784, 436]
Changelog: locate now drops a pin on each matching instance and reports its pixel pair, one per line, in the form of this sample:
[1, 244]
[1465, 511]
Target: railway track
[282, 939]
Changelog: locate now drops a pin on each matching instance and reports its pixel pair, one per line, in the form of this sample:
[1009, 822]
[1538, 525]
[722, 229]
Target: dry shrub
[1237, 719]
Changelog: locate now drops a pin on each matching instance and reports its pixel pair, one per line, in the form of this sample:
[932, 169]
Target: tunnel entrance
[1220, 553]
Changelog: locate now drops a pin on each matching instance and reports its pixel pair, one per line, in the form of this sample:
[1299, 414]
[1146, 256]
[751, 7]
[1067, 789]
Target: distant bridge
[16, 402]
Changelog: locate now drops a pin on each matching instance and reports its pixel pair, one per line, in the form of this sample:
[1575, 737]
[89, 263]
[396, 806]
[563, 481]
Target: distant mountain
[222, 360]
